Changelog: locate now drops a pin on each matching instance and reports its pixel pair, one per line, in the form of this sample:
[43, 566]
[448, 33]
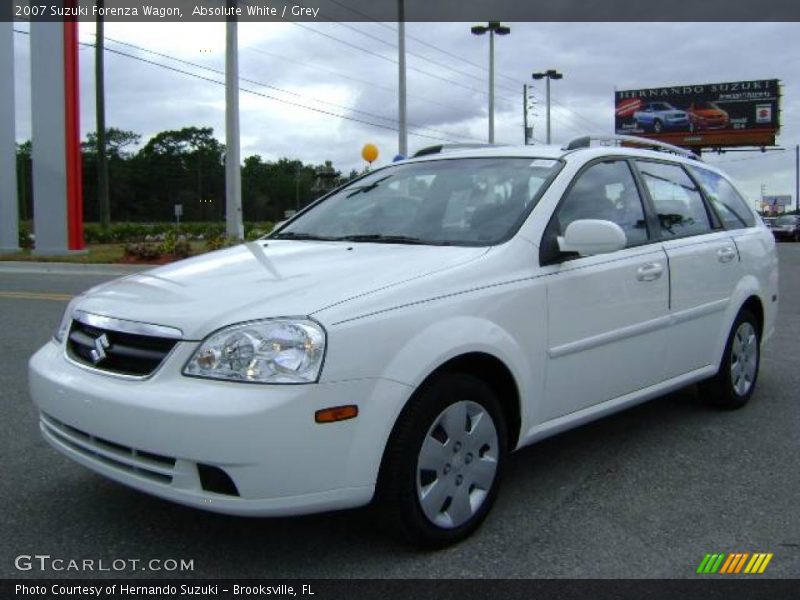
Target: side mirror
[588, 237]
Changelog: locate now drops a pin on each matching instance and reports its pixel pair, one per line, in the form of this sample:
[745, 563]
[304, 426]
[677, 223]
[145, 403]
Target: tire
[733, 385]
[657, 126]
[439, 481]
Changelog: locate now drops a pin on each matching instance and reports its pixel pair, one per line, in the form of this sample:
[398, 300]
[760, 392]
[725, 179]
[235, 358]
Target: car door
[606, 314]
[704, 266]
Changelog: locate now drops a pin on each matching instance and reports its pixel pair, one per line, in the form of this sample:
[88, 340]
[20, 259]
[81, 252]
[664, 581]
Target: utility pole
[402, 144]
[233, 174]
[103, 201]
[797, 179]
[525, 111]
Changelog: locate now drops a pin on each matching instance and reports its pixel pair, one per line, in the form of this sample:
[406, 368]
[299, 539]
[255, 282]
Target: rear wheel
[444, 460]
[735, 382]
[657, 127]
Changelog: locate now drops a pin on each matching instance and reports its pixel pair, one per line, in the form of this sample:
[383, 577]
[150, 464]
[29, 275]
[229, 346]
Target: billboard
[739, 113]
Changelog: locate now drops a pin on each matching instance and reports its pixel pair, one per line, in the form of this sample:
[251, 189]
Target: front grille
[154, 467]
[116, 351]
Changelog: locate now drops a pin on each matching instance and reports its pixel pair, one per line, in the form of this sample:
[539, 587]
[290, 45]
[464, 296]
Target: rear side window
[606, 191]
[678, 203]
[730, 206]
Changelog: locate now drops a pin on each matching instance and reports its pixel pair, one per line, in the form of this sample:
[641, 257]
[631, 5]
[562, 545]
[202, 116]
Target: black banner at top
[414, 10]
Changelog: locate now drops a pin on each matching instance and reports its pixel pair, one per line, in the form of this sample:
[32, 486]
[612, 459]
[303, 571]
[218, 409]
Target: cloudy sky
[347, 72]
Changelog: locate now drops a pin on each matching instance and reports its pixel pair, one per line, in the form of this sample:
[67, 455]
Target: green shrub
[143, 251]
[175, 244]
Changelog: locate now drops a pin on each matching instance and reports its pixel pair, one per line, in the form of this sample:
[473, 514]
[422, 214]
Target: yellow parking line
[35, 296]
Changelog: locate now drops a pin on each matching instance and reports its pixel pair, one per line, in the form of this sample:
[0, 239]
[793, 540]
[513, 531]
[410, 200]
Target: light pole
[494, 27]
[549, 74]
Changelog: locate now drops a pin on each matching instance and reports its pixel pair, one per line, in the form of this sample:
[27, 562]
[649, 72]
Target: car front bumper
[153, 434]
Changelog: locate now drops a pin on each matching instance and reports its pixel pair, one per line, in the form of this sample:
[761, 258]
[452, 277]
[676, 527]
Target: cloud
[345, 75]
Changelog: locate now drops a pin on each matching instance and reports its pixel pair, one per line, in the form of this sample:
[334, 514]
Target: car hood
[265, 279]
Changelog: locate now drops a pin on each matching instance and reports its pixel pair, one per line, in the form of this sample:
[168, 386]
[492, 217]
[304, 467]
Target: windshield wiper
[300, 235]
[364, 189]
[380, 238]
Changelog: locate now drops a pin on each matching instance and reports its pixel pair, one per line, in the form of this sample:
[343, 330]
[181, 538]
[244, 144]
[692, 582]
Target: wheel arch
[747, 295]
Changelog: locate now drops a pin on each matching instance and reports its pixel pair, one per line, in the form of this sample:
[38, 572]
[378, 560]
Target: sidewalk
[63, 268]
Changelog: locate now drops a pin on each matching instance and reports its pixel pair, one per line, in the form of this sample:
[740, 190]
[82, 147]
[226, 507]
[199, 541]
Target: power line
[391, 60]
[414, 54]
[284, 91]
[254, 92]
[343, 75]
[423, 42]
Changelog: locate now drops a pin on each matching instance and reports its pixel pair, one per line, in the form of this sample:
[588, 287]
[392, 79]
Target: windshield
[787, 220]
[471, 202]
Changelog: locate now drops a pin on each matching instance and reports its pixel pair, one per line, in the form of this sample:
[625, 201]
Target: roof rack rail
[629, 140]
[441, 148]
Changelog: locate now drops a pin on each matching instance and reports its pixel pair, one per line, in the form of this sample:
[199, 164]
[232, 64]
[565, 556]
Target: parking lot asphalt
[644, 493]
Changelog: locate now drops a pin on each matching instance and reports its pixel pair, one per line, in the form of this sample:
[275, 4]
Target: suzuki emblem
[100, 346]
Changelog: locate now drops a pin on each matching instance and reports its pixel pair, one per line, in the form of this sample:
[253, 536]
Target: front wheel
[735, 382]
[444, 460]
[657, 127]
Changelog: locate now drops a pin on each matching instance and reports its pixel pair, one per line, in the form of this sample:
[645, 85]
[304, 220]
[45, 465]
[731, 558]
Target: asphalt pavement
[645, 493]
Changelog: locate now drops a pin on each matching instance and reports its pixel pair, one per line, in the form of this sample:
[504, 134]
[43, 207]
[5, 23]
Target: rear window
[730, 206]
[680, 207]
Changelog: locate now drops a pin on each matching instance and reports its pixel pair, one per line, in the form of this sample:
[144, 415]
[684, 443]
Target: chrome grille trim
[122, 353]
[124, 326]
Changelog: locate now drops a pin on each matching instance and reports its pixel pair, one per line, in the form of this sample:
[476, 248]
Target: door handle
[649, 272]
[726, 254]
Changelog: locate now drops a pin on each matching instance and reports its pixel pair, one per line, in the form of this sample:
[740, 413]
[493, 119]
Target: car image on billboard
[743, 113]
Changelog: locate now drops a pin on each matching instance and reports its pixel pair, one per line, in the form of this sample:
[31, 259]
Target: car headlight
[268, 351]
[66, 320]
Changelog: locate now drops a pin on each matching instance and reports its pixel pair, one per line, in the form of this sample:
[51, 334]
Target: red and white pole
[72, 137]
[55, 133]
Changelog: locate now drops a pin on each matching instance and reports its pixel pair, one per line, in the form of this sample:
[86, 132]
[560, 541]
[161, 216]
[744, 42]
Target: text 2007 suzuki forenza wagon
[396, 339]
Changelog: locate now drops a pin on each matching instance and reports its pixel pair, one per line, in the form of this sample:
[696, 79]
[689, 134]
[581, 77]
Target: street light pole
[548, 110]
[491, 87]
[549, 74]
[494, 27]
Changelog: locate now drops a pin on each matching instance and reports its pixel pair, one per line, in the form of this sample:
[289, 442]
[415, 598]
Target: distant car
[786, 228]
[707, 115]
[657, 116]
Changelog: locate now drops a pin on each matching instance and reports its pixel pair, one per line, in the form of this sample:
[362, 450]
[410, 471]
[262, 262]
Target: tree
[116, 142]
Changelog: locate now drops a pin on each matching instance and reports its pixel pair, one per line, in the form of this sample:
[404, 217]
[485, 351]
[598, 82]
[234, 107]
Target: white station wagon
[399, 337]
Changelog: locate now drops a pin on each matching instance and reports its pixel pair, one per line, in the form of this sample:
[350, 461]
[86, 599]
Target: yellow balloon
[369, 152]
